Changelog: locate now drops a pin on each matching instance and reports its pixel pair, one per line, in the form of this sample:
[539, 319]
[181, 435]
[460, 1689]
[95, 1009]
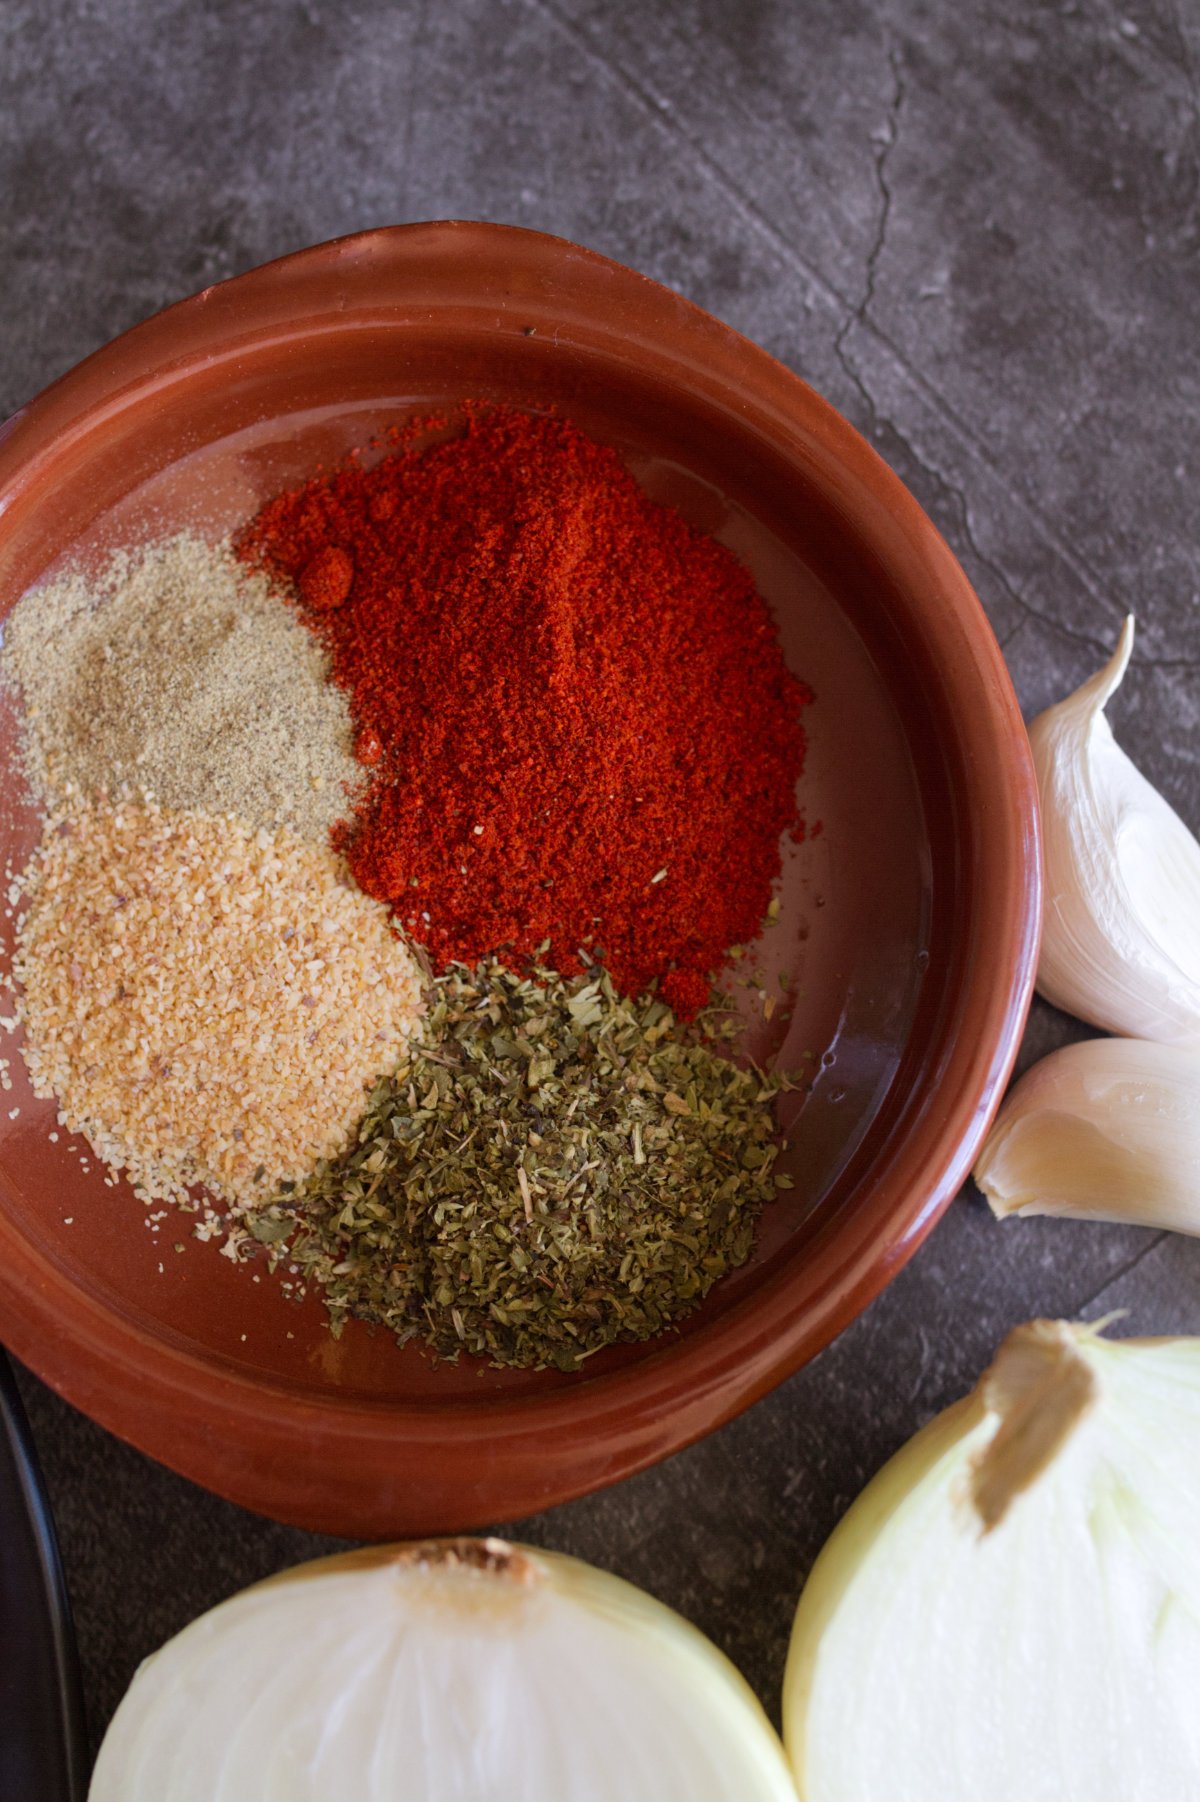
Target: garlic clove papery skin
[457, 1671]
[1105, 1130]
[1054, 1658]
[1121, 923]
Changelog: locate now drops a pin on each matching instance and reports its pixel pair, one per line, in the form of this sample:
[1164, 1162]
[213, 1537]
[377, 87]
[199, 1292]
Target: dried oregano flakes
[555, 1168]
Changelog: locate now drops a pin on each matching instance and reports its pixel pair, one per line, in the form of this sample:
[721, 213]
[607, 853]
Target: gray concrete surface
[973, 225]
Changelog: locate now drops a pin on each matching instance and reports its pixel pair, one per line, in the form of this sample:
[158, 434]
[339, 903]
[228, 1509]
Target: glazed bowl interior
[894, 982]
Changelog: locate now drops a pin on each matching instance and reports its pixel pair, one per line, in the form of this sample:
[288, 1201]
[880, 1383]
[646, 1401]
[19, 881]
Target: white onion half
[1052, 1658]
[458, 1671]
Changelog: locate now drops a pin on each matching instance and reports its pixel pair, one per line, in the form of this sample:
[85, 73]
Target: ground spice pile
[575, 706]
[177, 673]
[554, 1169]
[210, 1003]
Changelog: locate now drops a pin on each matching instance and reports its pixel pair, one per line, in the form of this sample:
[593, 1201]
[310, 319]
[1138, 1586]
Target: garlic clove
[1121, 933]
[1105, 1130]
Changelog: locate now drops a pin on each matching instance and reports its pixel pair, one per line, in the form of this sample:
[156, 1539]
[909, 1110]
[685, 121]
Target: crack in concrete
[1117, 1275]
[1030, 614]
[858, 314]
[668, 121]
[1165, 663]
[888, 144]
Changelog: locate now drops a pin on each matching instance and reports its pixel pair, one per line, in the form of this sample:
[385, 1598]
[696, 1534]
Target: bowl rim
[419, 1466]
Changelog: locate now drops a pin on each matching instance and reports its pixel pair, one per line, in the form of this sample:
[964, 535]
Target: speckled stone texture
[972, 224]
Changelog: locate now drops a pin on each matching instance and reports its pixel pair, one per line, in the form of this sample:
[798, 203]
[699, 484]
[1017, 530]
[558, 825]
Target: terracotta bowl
[909, 922]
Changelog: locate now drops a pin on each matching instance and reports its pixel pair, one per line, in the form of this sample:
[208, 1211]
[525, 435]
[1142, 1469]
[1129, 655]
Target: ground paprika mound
[574, 706]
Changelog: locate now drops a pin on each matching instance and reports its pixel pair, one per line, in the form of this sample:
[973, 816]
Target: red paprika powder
[574, 706]
[325, 580]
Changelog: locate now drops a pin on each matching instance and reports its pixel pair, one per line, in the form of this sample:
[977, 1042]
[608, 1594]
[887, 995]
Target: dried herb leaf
[555, 1168]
